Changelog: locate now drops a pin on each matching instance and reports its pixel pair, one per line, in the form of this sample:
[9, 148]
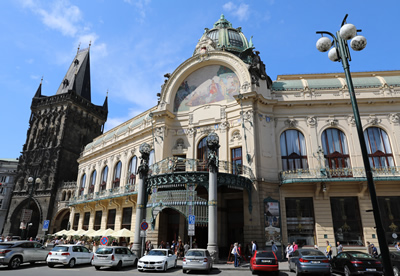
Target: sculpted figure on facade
[213, 146]
[143, 168]
[394, 118]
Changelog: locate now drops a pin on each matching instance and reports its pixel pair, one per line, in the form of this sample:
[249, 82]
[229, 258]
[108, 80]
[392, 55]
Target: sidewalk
[283, 266]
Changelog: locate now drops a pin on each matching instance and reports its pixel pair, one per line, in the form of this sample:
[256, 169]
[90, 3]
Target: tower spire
[38, 93]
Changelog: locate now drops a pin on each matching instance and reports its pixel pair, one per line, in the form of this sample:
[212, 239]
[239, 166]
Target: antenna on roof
[41, 80]
[90, 43]
[79, 46]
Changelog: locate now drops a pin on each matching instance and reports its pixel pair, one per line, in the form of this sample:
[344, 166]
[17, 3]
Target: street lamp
[31, 182]
[340, 52]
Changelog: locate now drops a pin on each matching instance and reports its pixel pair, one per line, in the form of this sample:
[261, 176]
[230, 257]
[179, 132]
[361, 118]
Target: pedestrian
[253, 247]
[369, 248]
[239, 254]
[274, 248]
[235, 253]
[374, 251]
[339, 248]
[186, 247]
[328, 250]
[295, 246]
[289, 251]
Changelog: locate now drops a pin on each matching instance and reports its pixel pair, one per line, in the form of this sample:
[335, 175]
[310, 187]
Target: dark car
[309, 261]
[395, 259]
[356, 262]
[264, 261]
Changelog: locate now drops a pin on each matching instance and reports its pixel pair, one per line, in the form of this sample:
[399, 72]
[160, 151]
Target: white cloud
[241, 11]
[141, 7]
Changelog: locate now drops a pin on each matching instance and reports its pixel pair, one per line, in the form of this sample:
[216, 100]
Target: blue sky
[135, 42]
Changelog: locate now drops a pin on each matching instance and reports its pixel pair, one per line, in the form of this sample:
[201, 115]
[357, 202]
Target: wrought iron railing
[110, 193]
[177, 164]
[329, 173]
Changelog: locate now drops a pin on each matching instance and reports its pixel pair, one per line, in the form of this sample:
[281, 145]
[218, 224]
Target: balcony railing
[178, 164]
[110, 193]
[338, 174]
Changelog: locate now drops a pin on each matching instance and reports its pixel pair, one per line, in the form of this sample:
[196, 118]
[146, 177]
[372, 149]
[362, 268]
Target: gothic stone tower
[59, 127]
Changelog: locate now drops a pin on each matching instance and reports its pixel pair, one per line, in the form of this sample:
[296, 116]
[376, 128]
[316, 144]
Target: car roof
[17, 242]
[197, 249]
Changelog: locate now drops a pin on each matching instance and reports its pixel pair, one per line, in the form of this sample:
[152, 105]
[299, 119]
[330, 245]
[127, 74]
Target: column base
[213, 249]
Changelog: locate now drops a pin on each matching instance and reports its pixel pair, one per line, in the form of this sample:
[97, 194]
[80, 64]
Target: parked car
[197, 259]
[264, 261]
[69, 255]
[14, 253]
[351, 262]
[395, 259]
[113, 256]
[309, 261]
[157, 259]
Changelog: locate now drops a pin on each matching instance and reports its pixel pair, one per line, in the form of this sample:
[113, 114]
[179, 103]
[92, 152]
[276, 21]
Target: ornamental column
[212, 163]
[143, 169]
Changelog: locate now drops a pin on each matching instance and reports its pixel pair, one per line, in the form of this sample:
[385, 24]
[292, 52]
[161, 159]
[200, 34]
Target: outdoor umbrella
[60, 233]
[91, 233]
[80, 232]
[70, 232]
[107, 232]
[123, 233]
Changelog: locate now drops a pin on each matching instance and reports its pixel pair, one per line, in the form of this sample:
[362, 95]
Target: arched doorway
[61, 221]
[172, 226]
[32, 226]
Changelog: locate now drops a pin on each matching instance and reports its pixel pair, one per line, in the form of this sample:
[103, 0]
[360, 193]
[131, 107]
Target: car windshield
[157, 253]
[312, 253]
[5, 245]
[60, 249]
[265, 254]
[104, 251]
[360, 255]
[195, 253]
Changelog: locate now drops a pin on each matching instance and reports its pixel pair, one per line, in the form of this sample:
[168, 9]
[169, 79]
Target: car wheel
[183, 270]
[71, 263]
[135, 263]
[15, 262]
[50, 265]
[119, 265]
[176, 263]
[166, 266]
[395, 271]
[347, 271]
[298, 273]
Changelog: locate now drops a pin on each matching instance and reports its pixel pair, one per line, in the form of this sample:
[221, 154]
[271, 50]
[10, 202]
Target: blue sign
[144, 225]
[191, 219]
[104, 240]
[46, 225]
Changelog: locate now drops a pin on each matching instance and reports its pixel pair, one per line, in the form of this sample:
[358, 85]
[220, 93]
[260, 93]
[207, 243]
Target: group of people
[178, 247]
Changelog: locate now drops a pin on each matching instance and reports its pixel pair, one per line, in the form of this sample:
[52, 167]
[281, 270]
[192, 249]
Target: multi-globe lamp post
[339, 51]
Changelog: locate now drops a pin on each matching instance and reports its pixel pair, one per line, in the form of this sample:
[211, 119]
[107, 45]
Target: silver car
[197, 259]
[14, 253]
[114, 256]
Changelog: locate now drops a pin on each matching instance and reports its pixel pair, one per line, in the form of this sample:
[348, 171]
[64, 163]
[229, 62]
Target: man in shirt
[253, 247]
[339, 247]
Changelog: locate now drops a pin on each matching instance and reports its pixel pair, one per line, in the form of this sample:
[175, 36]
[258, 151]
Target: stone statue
[143, 168]
[213, 146]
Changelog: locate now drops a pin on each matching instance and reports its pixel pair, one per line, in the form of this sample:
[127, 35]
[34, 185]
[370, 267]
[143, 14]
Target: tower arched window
[378, 147]
[336, 152]
[293, 150]
[117, 175]
[103, 179]
[132, 171]
[92, 182]
[82, 186]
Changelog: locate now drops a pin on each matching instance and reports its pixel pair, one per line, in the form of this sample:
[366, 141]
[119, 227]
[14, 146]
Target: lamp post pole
[341, 53]
[31, 181]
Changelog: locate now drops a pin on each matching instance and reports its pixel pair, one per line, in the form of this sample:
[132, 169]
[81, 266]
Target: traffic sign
[191, 227]
[192, 219]
[143, 233]
[191, 233]
[104, 240]
[144, 225]
[46, 225]
[26, 215]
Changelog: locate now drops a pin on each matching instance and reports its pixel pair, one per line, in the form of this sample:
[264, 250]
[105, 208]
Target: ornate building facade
[8, 171]
[59, 127]
[288, 166]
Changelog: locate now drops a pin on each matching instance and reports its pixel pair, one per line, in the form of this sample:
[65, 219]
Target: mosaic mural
[209, 84]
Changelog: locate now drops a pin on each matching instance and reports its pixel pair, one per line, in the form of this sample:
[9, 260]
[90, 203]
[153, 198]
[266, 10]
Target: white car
[69, 255]
[113, 256]
[157, 260]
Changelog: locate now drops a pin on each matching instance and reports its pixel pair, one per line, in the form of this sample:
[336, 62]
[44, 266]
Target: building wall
[8, 171]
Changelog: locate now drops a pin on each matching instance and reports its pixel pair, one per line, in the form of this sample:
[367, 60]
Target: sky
[135, 42]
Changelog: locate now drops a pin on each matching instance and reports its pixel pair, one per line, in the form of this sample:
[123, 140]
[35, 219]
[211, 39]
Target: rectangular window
[346, 220]
[389, 207]
[111, 219]
[76, 221]
[126, 218]
[97, 220]
[300, 220]
[236, 159]
[86, 219]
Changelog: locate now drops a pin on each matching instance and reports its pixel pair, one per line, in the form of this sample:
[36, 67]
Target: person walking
[274, 248]
[369, 248]
[289, 251]
[295, 246]
[328, 250]
[235, 252]
[186, 247]
[253, 247]
[339, 248]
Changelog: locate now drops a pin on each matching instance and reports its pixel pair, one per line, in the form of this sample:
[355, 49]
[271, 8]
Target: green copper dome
[227, 38]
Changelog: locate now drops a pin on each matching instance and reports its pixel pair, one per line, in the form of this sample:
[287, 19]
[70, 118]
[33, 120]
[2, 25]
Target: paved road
[41, 269]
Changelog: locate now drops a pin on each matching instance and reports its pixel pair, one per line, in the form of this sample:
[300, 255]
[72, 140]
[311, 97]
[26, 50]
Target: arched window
[336, 152]
[293, 150]
[92, 182]
[64, 195]
[132, 170]
[202, 155]
[378, 147]
[117, 175]
[82, 186]
[103, 180]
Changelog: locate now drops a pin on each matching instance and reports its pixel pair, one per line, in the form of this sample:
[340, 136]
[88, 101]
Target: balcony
[338, 175]
[105, 194]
